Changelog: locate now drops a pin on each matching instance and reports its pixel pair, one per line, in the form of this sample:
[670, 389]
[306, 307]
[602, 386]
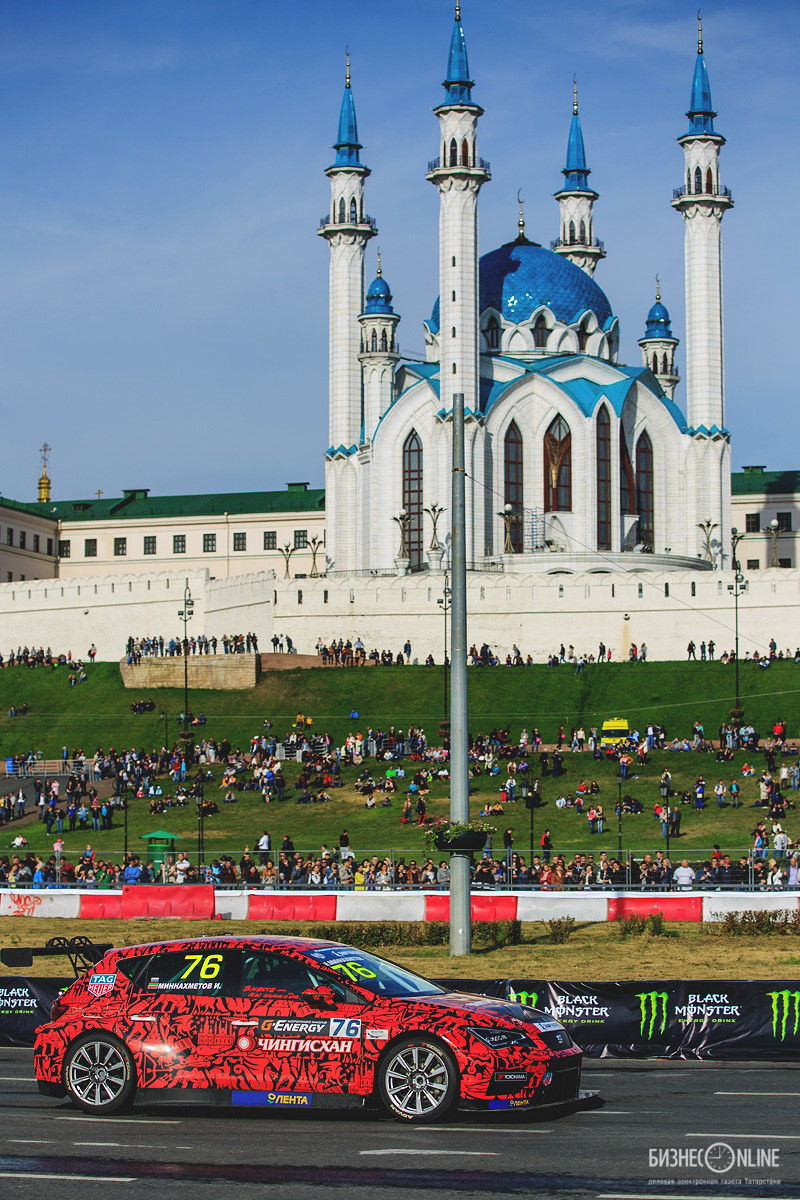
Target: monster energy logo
[650, 1005]
[529, 998]
[785, 1007]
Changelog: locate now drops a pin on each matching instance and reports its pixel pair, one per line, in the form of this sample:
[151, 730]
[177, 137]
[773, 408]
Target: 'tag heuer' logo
[785, 1013]
[101, 985]
[652, 1005]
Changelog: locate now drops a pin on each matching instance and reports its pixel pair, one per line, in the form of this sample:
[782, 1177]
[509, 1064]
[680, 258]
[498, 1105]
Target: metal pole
[619, 817]
[125, 854]
[460, 916]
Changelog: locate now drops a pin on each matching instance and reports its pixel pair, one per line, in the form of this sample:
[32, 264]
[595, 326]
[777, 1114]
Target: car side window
[263, 969]
[197, 972]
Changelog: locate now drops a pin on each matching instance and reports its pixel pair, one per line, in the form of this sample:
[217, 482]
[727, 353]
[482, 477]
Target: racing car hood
[485, 1007]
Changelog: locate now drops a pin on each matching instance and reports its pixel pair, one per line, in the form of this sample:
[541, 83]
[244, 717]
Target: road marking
[122, 1120]
[478, 1129]
[757, 1093]
[117, 1144]
[17, 1079]
[614, 1112]
[31, 1141]
[418, 1153]
[667, 1196]
[76, 1178]
[783, 1137]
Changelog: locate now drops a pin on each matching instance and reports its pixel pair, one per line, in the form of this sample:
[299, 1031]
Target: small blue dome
[517, 278]
[658, 322]
[379, 298]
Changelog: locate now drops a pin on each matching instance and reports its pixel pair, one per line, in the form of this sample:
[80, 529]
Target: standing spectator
[547, 845]
[684, 876]
[690, 652]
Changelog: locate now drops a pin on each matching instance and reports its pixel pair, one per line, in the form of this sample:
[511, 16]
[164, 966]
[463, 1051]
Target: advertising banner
[673, 1018]
[24, 1005]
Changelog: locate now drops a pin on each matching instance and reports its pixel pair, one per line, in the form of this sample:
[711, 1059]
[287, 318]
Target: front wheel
[418, 1080]
[99, 1074]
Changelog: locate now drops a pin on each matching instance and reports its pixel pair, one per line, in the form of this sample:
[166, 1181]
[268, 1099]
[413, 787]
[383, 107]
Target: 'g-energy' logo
[785, 1008]
[652, 1005]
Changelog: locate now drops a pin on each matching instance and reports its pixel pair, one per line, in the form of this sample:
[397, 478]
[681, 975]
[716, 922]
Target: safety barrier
[194, 902]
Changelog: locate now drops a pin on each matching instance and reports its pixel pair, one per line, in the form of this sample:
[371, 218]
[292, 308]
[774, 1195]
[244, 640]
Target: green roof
[41, 509]
[136, 504]
[754, 481]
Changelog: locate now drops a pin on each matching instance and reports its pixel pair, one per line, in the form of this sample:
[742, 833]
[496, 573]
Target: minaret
[347, 231]
[379, 352]
[658, 346]
[702, 203]
[576, 200]
[459, 175]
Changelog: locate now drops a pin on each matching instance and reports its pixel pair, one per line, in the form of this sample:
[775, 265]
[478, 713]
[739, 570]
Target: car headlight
[501, 1039]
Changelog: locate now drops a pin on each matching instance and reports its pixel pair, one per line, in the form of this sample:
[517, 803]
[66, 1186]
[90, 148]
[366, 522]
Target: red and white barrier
[201, 902]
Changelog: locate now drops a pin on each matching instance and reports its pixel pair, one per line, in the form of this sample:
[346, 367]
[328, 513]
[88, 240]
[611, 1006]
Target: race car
[297, 1022]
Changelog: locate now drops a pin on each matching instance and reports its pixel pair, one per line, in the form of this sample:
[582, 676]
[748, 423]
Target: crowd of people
[159, 647]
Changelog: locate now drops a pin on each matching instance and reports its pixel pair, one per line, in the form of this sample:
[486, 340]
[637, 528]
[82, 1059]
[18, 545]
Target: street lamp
[199, 793]
[444, 601]
[163, 717]
[186, 613]
[773, 530]
[620, 780]
[509, 517]
[287, 551]
[315, 544]
[401, 520]
[737, 588]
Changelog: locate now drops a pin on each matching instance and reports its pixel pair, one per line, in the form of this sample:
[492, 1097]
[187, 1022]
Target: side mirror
[321, 997]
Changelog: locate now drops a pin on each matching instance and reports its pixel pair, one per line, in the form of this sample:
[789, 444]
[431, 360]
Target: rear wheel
[99, 1074]
[418, 1080]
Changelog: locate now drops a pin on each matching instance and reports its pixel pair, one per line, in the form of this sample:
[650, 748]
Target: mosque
[573, 458]
[597, 509]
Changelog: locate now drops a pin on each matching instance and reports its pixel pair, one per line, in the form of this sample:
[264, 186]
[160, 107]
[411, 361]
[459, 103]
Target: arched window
[627, 491]
[644, 490]
[709, 182]
[412, 497]
[513, 482]
[603, 480]
[374, 343]
[453, 152]
[665, 365]
[688, 180]
[540, 332]
[572, 233]
[453, 332]
[384, 345]
[341, 211]
[353, 211]
[465, 153]
[558, 467]
[698, 181]
[655, 364]
[493, 333]
[583, 234]
[694, 589]
[454, 368]
[583, 338]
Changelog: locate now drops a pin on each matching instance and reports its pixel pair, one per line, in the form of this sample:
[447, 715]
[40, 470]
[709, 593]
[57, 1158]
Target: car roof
[236, 941]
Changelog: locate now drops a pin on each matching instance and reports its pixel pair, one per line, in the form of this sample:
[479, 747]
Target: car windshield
[372, 973]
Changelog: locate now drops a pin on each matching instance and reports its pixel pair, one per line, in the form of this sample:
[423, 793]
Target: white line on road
[417, 1152]
[757, 1093]
[117, 1144]
[121, 1120]
[479, 1129]
[30, 1141]
[783, 1137]
[77, 1178]
[666, 1196]
[17, 1079]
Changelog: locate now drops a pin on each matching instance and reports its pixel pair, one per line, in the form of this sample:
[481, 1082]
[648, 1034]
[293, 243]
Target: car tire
[418, 1080]
[99, 1074]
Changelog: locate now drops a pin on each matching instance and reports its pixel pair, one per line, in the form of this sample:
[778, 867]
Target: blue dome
[379, 298]
[658, 322]
[517, 278]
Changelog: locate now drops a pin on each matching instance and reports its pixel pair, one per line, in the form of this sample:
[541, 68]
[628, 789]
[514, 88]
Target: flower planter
[464, 841]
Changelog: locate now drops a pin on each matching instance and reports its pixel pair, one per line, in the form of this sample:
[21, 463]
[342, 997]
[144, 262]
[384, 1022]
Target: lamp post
[401, 521]
[186, 613]
[444, 601]
[707, 528]
[773, 531]
[737, 588]
[125, 848]
[163, 716]
[315, 545]
[509, 517]
[199, 792]
[620, 780]
[287, 551]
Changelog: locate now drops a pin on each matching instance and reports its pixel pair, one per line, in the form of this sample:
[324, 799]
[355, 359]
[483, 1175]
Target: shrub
[560, 929]
[754, 923]
[654, 924]
[370, 934]
[631, 925]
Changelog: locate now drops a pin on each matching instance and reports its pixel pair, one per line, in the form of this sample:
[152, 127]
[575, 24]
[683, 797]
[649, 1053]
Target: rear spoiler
[81, 951]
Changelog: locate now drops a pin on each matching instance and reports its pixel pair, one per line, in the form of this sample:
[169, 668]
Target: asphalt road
[602, 1151]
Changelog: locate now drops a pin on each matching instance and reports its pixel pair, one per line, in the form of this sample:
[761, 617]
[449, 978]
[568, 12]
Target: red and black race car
[277, 1021]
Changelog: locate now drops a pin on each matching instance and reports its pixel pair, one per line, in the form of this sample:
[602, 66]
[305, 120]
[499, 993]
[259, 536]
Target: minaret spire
[576, 200]
[658, 345]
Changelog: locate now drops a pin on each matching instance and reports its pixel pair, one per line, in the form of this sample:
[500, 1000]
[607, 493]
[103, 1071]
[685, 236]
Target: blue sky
[163, 295]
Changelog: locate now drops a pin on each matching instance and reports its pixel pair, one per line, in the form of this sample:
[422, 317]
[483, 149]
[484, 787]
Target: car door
[291, 1039]
[178, 1020]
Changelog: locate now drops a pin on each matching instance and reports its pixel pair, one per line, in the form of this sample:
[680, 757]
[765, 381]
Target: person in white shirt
[684, 876]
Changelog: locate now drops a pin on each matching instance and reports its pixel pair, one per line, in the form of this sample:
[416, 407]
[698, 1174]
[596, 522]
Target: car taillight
[58, 1008]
